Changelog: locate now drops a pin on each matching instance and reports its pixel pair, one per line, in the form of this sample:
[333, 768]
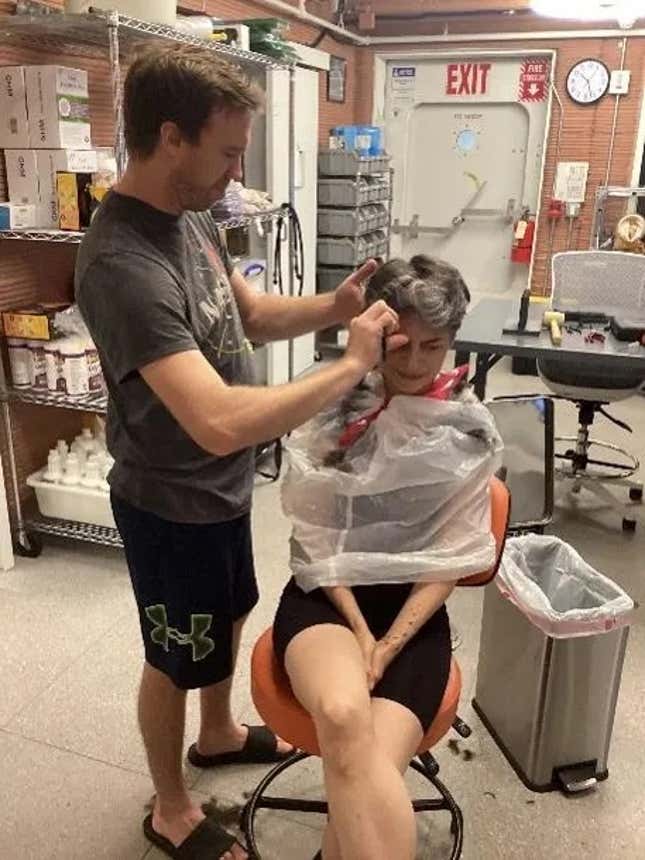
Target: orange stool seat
[280, 709]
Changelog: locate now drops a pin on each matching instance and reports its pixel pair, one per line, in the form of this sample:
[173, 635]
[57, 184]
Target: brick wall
[586, 130]
[32, 272]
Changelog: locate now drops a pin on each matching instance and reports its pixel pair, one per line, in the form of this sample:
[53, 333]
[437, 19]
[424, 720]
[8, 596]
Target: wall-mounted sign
[534, 80]
[467, 79]
[336, 77]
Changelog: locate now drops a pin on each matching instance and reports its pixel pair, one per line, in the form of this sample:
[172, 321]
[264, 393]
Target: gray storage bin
[378, 189]
[351, 222]
[344, 252]
[348, 193]
[339, 162]
[329, 278]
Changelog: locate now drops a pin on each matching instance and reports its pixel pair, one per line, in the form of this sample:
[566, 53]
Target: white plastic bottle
[87, 441]
[94, 372]
[37, 364]
[52, 366]
[54, 471]
[72, 474]
[75, 372]
[19, 362]
[92, 478]
[63, 450]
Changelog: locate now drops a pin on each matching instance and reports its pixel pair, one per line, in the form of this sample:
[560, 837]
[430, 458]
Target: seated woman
[370, 663]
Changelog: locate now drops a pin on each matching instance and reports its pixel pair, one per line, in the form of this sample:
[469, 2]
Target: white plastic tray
[80, 504]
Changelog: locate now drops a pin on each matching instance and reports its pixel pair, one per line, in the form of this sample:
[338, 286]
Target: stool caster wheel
[636, 494]
[629, 525]
[28, 545]
[318, 356]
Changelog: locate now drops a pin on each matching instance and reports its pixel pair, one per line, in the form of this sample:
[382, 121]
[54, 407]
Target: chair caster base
[425, 765]
[629, 525]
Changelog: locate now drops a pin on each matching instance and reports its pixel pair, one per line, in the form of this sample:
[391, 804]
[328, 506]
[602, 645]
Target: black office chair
[607, 283]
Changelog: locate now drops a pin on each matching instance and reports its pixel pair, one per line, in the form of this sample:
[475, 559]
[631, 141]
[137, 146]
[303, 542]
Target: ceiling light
[624, 11]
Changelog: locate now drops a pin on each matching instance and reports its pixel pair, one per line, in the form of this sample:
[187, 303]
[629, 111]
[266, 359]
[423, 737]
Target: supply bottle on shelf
[95, 374]
[38, 364]
[19, 362]
[53, 368]
[74, 365]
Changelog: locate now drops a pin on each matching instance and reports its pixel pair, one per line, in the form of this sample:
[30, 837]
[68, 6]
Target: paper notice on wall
[571, 181]
[403, 86]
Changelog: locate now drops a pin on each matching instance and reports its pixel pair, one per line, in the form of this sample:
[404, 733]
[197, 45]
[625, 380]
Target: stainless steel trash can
[548, 703]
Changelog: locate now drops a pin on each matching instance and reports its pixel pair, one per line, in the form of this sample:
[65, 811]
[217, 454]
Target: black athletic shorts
[191, 583]
[416, 678]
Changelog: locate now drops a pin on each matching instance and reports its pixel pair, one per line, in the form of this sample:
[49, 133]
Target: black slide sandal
[261, 747]
[208, 841]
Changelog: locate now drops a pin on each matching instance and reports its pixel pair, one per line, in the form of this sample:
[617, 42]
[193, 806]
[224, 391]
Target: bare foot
[231, 740]
[177, 828]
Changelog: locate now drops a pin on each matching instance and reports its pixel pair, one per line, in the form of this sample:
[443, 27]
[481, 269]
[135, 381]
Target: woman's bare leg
[367, 797]
[398, 733]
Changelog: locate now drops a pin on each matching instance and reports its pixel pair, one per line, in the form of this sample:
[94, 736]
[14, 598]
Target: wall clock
[588, 81]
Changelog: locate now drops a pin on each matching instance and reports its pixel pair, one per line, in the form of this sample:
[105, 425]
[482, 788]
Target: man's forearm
[284, 317]
[251, 415]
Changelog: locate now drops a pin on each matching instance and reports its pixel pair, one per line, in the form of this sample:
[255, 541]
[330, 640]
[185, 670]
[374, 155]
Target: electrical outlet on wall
[620, 81]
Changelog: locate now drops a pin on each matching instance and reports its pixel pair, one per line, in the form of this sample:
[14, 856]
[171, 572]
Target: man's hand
[349, 299]
[367, 334]
[382, 656]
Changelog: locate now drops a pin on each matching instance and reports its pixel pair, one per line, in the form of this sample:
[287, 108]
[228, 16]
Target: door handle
[413, 230]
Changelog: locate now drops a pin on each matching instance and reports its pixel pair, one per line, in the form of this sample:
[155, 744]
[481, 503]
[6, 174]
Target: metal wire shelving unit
[93, 35]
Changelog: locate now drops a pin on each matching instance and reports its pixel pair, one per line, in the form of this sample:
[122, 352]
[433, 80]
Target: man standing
[172, 321]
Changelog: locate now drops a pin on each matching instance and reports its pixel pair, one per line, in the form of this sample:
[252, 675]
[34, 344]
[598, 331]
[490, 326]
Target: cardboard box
[74, 200]
[58, 107]
[35, 323]
[14, 126]
[53, 161]
[22, 175]
[20, 216]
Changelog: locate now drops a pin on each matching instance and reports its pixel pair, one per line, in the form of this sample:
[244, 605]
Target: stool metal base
[425, 764]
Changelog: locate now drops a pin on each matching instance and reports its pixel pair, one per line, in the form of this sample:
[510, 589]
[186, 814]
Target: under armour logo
[161, 634]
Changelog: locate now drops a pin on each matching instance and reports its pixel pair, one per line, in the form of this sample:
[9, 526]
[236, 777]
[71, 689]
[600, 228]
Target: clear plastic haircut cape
[407, 502]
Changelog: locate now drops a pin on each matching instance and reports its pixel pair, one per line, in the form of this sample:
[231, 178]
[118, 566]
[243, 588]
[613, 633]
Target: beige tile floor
[73, 781]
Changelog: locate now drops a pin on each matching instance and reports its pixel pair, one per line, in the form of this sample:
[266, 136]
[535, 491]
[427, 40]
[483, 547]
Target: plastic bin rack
[342, 163]
[351, 251]
[350, 193]
[352, 222]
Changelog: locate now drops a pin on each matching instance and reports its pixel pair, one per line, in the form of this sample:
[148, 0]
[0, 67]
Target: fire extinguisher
[523, 238]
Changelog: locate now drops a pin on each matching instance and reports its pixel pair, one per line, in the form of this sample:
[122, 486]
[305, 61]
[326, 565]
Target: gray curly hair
[431, 288]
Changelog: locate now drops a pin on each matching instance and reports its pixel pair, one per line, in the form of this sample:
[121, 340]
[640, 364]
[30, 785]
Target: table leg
[480, 379]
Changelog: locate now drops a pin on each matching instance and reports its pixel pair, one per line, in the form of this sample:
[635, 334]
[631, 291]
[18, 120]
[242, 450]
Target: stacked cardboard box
[45, 132]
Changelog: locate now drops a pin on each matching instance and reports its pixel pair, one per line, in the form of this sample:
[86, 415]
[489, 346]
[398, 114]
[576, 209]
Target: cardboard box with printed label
[14, 126]
[20, 216]
[58, 107]
[22, 175]
[35, 323]
[53, 161]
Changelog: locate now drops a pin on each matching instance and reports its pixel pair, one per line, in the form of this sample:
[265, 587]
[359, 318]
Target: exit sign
[467, 79]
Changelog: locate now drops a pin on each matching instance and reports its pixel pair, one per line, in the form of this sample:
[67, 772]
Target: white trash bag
[407, 502]
[555, 588]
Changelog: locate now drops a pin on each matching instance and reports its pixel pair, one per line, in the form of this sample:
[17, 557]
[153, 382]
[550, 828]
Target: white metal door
[467, 140]
[306, 194]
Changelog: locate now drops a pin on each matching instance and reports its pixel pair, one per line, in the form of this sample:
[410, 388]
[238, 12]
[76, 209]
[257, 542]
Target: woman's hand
[382, 655]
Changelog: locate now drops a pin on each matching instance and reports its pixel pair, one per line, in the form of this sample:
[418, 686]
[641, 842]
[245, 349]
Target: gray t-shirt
[150, 284]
